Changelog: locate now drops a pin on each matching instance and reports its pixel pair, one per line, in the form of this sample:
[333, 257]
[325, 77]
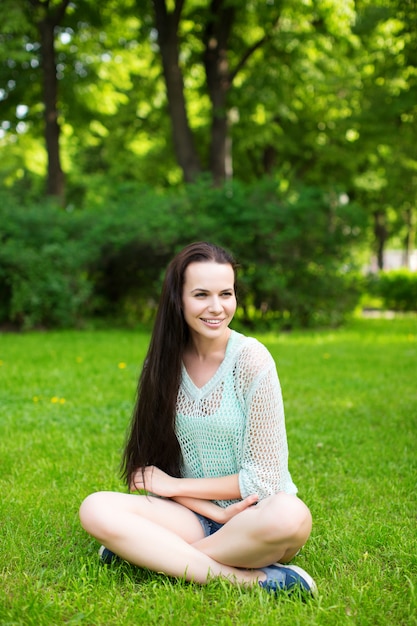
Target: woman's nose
[215, 305]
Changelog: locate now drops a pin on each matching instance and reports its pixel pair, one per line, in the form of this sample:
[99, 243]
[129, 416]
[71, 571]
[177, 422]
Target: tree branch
[54, 17]
[60, 11]
[163, 16]
[36, 3]
[179, 4]
[250, 51]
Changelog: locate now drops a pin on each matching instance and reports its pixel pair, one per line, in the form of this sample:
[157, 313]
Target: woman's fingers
[240, 506]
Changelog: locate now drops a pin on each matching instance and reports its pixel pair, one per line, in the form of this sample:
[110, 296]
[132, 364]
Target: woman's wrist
[220, 488]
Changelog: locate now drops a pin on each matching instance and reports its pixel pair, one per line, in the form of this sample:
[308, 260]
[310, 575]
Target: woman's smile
[211, 322]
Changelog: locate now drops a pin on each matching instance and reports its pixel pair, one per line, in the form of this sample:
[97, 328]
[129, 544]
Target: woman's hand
[153, 480]
[233, 509]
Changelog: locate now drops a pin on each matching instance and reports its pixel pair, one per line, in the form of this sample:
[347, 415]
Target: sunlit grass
[351, 406]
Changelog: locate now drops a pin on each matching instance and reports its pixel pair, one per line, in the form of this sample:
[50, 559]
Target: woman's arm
[196, 493]
[214, 511]
[264, 468]
[158, 482]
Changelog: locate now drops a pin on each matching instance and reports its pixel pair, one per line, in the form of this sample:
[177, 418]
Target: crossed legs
[164, 536]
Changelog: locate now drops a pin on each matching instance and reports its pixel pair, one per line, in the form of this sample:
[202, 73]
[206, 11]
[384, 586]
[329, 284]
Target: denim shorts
[209, 526]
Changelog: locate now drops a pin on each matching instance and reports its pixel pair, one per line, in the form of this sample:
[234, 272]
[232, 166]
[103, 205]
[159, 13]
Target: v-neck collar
[192, 388]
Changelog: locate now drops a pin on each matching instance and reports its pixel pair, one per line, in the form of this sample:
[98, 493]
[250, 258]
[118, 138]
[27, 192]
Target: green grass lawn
[351, 407]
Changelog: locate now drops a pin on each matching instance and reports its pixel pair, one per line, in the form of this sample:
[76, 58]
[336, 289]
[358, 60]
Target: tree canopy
[164, 91]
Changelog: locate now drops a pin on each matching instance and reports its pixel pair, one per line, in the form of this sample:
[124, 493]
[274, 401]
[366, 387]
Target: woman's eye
[225, 294]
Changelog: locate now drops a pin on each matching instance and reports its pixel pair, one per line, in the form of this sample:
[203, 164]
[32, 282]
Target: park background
[282, 130]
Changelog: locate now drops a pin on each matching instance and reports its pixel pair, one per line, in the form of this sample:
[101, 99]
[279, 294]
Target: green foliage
[397, 289]
[295, 250]
[43, 278]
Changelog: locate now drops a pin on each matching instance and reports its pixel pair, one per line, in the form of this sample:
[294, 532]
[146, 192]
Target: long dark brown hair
[151, 439]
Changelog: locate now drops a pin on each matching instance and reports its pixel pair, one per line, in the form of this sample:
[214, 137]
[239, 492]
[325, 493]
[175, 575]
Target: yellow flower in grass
[56, 400]
[122, 366]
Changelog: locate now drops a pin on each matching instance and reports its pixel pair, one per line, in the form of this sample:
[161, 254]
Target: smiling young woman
[207, 442]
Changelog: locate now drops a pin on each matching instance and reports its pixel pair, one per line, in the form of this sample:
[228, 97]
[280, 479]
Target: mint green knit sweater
[235, 423]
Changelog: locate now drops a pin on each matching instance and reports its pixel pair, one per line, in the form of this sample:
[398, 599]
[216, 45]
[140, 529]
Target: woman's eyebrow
[200, 289]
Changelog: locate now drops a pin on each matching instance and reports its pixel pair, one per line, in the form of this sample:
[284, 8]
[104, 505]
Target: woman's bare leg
[157, 534]
[166, 537]
[273, 530]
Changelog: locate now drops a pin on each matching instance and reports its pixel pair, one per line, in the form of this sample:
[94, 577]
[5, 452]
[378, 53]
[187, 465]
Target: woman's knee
[286, 516]
[94, 513]
[303, 521]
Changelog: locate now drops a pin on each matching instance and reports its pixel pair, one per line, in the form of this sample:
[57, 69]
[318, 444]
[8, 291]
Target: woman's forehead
[209, 273]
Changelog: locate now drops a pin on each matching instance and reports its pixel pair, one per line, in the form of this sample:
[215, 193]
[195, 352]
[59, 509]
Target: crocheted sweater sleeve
[264, 464]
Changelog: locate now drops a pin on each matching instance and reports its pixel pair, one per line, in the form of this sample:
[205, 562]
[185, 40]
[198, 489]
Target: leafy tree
[161, 91]
[216, 43]
[386, 129]
[40, 18]
[63, 73]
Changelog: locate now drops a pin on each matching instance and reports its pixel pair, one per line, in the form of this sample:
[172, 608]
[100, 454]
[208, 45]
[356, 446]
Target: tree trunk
[55, 177]
[46, 19]
[269, 158]
[167, 27]
[216, 64]
[381, 234]
[409, 236]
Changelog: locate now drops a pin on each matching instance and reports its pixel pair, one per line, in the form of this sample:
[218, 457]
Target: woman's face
[208, 297]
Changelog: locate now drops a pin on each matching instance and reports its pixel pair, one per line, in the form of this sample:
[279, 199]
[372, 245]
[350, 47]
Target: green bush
[295, 250]
[43, 278]
[397, 289]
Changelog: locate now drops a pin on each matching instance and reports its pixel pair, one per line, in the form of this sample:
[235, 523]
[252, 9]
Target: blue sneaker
[287, 578]
[107, 556]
